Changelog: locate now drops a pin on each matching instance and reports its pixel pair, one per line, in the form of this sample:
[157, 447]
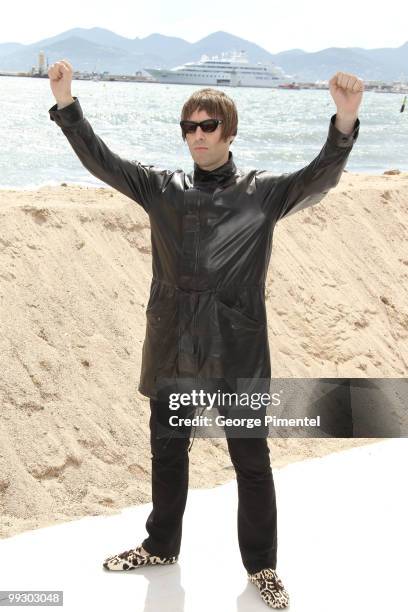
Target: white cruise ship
[231, 69]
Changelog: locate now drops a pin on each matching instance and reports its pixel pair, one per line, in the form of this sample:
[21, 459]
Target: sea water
[278, 130]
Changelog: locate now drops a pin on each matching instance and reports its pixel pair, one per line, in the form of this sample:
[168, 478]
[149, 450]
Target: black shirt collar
[218, 175]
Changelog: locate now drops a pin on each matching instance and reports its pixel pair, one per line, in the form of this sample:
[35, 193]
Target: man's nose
[199, 132]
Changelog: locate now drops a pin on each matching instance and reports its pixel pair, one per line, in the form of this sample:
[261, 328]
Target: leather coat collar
[218, 175]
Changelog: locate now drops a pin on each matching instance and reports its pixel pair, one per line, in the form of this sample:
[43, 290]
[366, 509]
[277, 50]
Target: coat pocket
[160, 310]
[158, 318]
[242, 342]
[239, 319]
[161, 338]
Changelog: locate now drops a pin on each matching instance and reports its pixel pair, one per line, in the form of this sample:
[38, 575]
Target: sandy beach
[75, 270]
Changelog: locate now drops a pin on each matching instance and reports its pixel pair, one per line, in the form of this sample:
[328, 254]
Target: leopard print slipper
[133, 558]
[271, 588]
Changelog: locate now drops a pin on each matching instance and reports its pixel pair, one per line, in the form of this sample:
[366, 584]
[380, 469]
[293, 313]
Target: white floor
[343, 543]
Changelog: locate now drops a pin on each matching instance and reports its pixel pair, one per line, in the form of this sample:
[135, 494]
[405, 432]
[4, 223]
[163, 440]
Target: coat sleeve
[133, 179]
[288, 193]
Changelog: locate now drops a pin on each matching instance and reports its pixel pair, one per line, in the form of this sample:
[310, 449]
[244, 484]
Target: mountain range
[98, 49]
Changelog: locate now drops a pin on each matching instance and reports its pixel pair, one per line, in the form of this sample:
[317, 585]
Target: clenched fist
[347, 91]
[60, 75]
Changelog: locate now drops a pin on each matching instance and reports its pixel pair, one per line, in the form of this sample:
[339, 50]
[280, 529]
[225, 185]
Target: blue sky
[276, 26]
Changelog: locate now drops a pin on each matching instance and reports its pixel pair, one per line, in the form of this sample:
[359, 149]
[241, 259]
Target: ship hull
[163, 76]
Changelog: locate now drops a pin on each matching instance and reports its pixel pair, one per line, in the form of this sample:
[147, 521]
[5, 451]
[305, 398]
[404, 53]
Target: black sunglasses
[208, 125]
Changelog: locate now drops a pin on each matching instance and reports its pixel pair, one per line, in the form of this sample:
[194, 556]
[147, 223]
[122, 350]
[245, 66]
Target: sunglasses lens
[209, 126]
[189, 127]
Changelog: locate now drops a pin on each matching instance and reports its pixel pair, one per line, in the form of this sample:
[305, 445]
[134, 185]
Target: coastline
[93, 183]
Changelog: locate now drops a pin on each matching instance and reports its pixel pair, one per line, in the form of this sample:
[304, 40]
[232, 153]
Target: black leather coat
[211, 235]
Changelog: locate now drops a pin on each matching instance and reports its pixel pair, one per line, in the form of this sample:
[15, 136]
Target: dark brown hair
[217, 105]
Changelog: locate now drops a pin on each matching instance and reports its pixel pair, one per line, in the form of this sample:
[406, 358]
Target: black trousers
[257, 516]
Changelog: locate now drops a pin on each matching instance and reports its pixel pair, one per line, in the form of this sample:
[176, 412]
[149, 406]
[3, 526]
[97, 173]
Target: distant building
[42, 64]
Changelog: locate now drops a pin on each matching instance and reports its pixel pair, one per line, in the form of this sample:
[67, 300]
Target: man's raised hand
[60, 75]
[347, 92]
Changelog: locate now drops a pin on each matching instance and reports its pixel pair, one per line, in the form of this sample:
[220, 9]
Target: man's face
[207, 149]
